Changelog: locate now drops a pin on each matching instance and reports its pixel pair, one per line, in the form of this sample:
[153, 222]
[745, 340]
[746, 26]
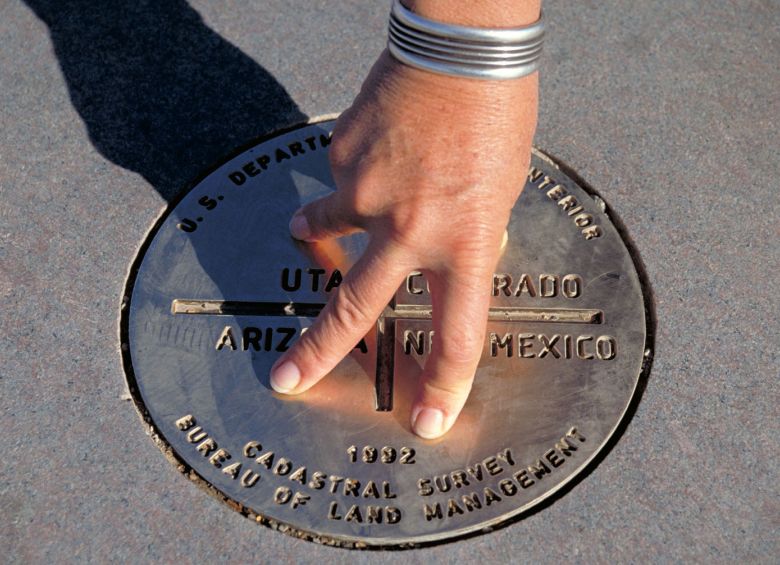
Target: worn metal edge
[529, 509]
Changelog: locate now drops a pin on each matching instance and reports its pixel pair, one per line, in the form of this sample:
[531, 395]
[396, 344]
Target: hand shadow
[161, 94]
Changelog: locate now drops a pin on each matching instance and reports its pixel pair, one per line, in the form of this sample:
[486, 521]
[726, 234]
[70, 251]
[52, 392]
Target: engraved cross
[385, 325]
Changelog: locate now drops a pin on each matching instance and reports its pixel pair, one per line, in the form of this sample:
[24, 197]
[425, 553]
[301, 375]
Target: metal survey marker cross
[385, 325]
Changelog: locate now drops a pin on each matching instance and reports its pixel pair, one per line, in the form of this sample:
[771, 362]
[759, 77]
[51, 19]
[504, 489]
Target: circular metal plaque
[220, 290]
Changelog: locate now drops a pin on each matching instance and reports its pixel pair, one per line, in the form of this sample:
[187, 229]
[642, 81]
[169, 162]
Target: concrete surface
[669, 108]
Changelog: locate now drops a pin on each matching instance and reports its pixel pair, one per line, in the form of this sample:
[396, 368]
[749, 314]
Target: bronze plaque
[220, 289]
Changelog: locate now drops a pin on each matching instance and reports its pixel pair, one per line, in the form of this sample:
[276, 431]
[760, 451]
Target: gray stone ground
[669, 108]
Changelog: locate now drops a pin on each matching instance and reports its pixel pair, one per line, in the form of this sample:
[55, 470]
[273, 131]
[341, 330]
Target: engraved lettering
[501, 283]
[523, 478]
[548, 346]
[442, 482]
[491, 496]
[471, 501]
[459, 478]
[287, 334]
[572, 286]
[219, 457]
[581, 347]
[388, 454]
[370, 491]
[548, 286]
[249, 479]
[507, 486]
[453, 508]
[566, 447]
[252, 448]
[250, 169]
[523, 345]
[351, 487]
[411, 287]
[606, 348]
[414, 340]
[299, 475]
[334, 483]
[296, 148]
[545, 183]
[207, 446]
[504, 342]
[237, 177]
[196, 434]
[185, 423]
[317, 481]
[233, 470]
[567, 203]
[432, 512]
[591, 232]
[583, 220]
[552, 456]
[506, 455]
[335, 279]
[281, 155]
[539, 469]
[475, 471]
[226, 338]
[492, 466]
[266, 459]
[263, 161]
[354, 515]
[556, 192]
[295, 285]
[282, 495]
[369, 454]
[374, 514]
[573, 433]
[315, 278]
[407, 455]
[525, 285]
[299, 499]
[251, 336]
[386, 491]
[333, 511]
[392, 514]
[424, 487]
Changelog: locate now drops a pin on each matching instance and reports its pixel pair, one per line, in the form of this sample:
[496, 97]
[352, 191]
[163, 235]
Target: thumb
[325, 218]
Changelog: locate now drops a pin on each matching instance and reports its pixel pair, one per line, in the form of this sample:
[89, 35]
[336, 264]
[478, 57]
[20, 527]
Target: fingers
[324, 218]
[460, 306]
[348, 316]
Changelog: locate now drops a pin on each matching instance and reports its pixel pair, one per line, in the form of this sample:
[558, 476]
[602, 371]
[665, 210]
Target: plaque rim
[357, 542]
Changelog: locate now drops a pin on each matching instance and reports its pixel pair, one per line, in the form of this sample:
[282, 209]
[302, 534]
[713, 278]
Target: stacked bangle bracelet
[486, 53]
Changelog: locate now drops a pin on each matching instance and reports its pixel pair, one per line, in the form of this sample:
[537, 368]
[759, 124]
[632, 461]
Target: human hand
[430, 167]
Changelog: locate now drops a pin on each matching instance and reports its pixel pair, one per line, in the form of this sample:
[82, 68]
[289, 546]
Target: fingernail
[504, 240]
[299, 227]
[285, 377]
[428, 423]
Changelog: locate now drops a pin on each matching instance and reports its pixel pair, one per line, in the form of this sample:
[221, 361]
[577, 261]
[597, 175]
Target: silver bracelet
[486, 53]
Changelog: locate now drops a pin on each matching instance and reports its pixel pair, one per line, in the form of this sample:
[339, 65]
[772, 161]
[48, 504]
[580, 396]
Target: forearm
[478, 13]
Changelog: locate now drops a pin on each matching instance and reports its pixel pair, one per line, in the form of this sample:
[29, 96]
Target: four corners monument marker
[220, 289]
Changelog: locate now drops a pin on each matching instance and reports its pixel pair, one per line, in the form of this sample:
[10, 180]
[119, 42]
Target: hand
[430, 166]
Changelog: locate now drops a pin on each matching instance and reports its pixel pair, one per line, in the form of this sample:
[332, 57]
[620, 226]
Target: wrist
[478, 13]
[462, 91]
[494, 104]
